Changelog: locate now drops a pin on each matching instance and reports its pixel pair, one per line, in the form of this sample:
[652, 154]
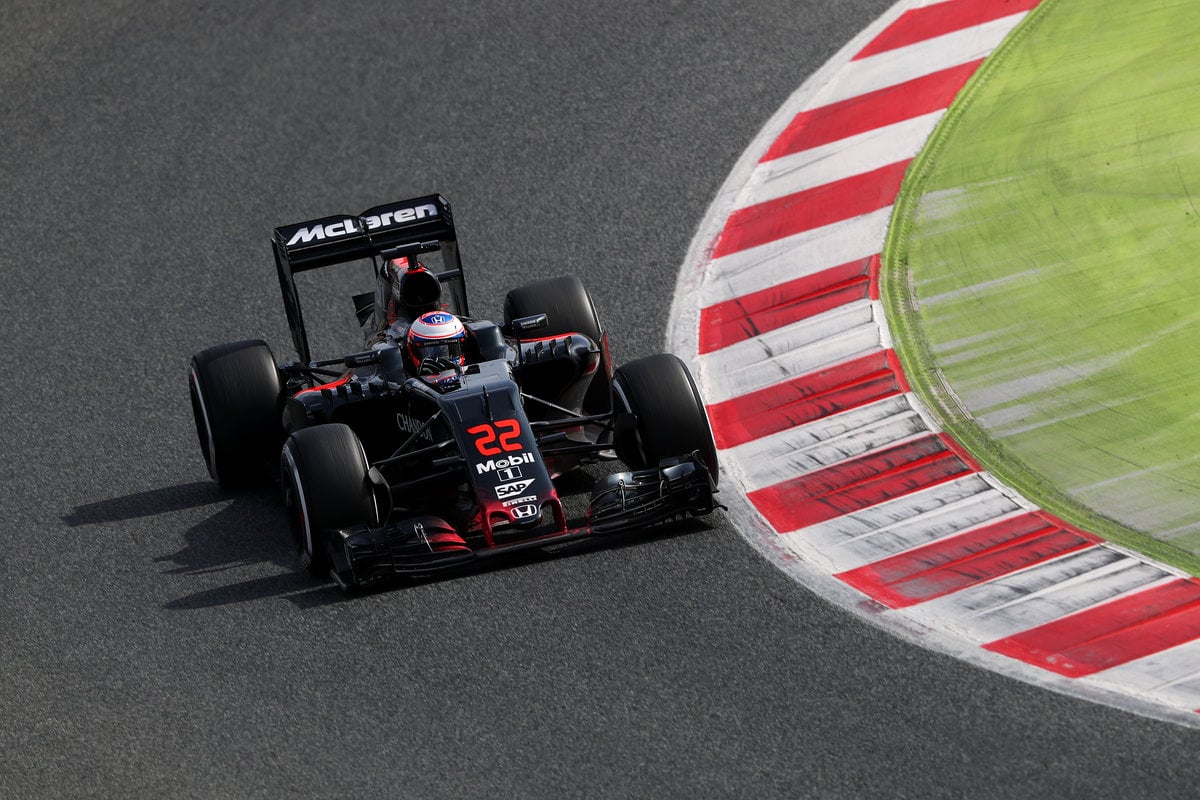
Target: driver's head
[437, 337]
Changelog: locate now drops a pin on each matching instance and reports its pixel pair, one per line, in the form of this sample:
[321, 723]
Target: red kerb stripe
[960, 451]
[896, 367]
[743, 317]
[812, 208]
[966, 559]
[802, 399]
[867, 112]
[1112, 633]
[873, 268]
[928, 22]
[857, 483]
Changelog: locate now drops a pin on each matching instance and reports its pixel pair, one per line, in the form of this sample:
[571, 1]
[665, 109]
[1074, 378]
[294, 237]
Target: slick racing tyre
[236, 403]
[567, 304]
[323, 471]
[669, 418]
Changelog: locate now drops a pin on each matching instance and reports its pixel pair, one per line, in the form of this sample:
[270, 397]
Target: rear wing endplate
[422, 224]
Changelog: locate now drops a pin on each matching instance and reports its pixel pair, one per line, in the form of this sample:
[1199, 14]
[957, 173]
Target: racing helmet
[436, 339]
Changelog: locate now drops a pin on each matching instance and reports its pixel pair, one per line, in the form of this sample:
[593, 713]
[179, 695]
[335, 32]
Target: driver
[435, 343]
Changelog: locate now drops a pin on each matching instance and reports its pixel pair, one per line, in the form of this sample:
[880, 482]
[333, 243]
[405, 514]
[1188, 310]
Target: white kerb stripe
[917, 60]
[854, 155]
[805, 253]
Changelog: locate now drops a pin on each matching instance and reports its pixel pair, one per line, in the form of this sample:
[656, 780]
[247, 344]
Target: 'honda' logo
[525, 512]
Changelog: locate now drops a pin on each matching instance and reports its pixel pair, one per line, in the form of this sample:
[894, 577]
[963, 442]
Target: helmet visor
[442, 348]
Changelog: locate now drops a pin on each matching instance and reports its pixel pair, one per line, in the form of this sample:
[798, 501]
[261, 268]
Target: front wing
[620, 503]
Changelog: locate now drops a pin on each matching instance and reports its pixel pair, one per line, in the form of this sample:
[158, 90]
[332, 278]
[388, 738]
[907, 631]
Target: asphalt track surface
[155, 638]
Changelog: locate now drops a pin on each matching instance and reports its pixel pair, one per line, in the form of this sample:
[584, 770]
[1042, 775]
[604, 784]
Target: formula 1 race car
[440, 443]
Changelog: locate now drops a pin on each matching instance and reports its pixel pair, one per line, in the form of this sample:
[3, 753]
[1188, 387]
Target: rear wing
[406, 227]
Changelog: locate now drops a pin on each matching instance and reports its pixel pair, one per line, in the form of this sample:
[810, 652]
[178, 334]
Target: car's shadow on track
[246, 529]
[146, 504]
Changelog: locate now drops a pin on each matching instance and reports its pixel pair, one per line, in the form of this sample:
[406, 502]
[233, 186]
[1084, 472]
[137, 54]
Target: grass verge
[1037, 271]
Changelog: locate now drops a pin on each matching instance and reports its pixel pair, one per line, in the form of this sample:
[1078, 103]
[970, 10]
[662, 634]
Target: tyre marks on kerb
[779, 306]
[776, 218]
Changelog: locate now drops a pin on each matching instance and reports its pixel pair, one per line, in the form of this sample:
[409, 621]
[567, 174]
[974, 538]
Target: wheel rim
[203, 426]
[375, 514]
[637, 434]
[297, 509]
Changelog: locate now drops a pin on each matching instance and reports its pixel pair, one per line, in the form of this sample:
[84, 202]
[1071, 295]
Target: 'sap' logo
[507, 490]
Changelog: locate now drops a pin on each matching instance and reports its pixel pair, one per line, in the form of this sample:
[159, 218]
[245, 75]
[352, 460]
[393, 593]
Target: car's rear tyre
[237, 398]
[669, 416]
[323, 472]
[569, 308]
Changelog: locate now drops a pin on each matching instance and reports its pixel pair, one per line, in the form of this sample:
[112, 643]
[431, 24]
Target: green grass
[1041, 270]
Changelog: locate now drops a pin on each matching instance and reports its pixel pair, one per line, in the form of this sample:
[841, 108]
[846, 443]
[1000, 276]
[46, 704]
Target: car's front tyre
[669, 417]
[323, 472]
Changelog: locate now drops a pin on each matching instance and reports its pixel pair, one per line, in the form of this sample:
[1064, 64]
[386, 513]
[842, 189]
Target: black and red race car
[393, 463]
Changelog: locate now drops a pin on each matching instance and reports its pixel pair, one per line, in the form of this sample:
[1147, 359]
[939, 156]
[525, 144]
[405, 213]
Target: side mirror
[531, 323]
[392, 360]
